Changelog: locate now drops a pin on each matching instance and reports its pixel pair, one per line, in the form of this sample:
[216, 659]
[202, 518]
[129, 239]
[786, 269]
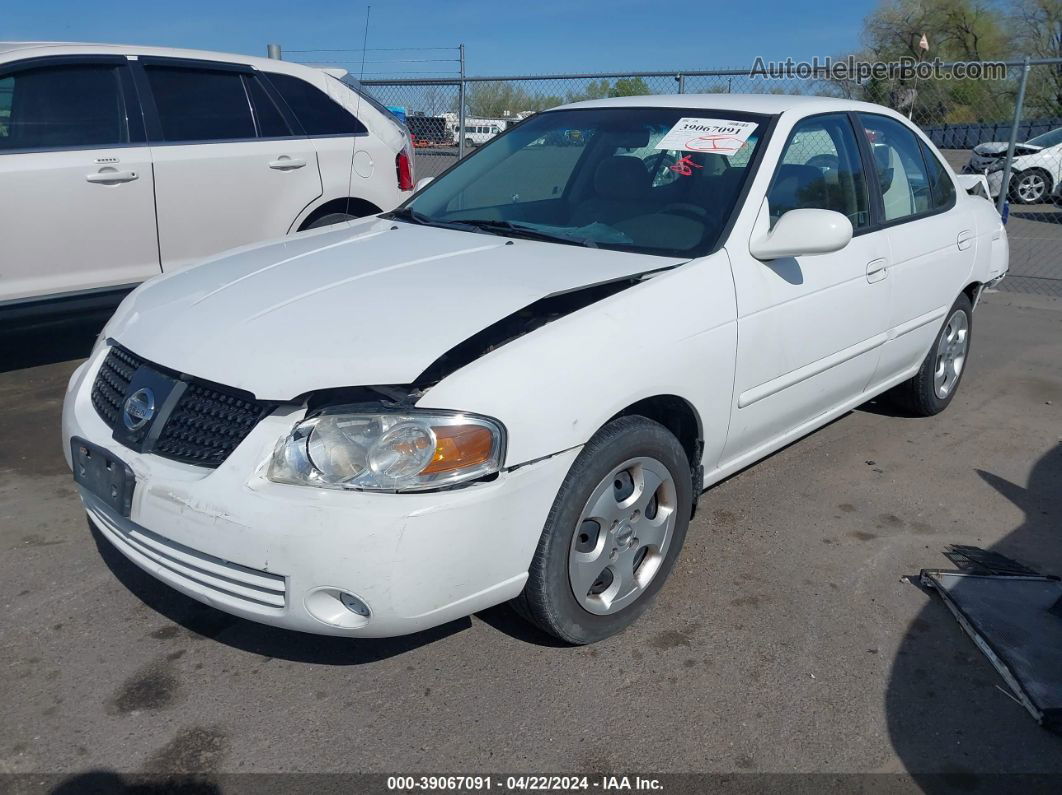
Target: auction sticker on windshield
[719, 136]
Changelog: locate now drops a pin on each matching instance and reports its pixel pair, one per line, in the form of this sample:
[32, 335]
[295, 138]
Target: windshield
[650, 180]
[1052, 138]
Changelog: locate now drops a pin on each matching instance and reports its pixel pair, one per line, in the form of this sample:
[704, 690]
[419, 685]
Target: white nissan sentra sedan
[515, 386]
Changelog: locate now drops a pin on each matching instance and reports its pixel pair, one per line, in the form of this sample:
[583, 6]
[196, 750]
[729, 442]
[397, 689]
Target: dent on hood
[499, 333]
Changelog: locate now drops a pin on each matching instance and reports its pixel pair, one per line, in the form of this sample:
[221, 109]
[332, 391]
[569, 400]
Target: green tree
[1036, 30]
[629, 87]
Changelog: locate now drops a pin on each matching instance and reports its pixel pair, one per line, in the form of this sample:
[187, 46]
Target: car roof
[772, 104]
[29, 49]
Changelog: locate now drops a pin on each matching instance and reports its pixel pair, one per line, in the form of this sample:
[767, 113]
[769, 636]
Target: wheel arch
[680, 417]
[347, 204]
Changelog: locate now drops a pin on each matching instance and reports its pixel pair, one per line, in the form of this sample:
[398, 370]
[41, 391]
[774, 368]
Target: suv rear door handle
[284, 163]
[111, 176]
[877, 269]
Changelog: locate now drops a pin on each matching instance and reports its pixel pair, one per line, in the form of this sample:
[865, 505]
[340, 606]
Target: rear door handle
[110, 176]
[285, 163]
[964, 240]
[877, 269]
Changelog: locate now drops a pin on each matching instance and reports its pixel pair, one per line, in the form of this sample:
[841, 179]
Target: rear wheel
[612, 535]
[1030, 187]
[931, 390]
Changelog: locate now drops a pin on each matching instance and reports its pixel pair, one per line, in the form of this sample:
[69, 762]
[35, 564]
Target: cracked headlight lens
[346, 448]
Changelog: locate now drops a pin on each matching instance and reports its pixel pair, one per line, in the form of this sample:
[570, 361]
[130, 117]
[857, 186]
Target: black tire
[329, 219]
[547, 599]
[918, 395]
[1019, 178]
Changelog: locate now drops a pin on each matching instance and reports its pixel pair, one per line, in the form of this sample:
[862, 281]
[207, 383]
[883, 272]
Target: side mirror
[421, 183]
[799, 233]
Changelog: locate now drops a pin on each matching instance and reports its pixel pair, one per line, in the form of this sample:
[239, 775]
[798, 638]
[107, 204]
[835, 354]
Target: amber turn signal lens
[459, 446]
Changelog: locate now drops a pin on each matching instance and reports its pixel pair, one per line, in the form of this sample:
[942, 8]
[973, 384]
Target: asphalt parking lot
[785, 640]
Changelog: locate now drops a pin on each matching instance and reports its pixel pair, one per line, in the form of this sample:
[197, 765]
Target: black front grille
[205, 425]
[109, 390]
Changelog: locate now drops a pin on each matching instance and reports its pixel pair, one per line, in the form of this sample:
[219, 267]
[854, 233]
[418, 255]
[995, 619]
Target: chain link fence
[1005, 124]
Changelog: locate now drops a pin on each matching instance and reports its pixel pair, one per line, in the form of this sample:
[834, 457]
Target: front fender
[553, 388]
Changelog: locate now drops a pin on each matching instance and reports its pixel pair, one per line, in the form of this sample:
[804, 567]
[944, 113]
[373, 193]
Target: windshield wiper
[415, 217]
[531, 233]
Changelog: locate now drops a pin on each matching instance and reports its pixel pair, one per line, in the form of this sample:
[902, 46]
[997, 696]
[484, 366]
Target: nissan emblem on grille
[138, 410]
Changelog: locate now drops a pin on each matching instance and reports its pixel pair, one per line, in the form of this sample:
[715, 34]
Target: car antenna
[361, 87]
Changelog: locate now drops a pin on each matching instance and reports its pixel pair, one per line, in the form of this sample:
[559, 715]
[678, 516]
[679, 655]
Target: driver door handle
[284, 163]
[877, 269]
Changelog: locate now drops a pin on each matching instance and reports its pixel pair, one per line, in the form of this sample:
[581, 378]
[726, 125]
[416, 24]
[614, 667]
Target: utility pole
[273, 51]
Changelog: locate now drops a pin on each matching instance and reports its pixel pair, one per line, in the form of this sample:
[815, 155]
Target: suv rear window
[199, 104]
[315, 110]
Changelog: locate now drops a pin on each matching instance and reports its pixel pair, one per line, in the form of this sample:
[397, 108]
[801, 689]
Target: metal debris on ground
[1014, 615]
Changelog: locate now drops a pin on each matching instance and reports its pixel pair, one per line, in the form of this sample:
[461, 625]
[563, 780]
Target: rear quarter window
[318, 113]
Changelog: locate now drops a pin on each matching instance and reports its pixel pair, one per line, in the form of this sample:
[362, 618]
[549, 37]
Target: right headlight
[346, 447]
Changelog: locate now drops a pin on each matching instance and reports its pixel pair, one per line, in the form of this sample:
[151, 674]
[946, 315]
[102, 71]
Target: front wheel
[613, 534]
[931, 390]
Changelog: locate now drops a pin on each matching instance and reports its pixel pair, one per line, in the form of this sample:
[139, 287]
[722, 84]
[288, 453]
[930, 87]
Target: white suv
[118, 163]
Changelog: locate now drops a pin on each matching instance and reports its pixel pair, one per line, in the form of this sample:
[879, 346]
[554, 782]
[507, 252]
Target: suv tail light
[404, 168]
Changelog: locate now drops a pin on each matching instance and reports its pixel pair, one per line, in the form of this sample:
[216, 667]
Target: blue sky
[501, 37]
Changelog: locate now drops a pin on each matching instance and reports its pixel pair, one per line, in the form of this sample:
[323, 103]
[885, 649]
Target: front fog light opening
[338, 608]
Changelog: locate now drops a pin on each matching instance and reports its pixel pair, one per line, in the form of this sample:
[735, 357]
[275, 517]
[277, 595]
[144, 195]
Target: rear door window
[63, 106]
[318, 113]
[905, 186]
[942, 189]
[200, 104]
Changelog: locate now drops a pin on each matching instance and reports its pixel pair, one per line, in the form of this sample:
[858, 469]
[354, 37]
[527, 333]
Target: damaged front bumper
[309, 559]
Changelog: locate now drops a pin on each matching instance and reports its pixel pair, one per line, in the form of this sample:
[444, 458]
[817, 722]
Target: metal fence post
[461, 108]
[681, 78]
[1004, 186]
[273, 51]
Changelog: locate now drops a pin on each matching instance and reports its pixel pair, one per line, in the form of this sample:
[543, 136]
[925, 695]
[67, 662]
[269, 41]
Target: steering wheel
[825, 162]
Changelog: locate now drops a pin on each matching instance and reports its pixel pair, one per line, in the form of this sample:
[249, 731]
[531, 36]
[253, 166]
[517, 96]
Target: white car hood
[1000, 148]
[371, 303]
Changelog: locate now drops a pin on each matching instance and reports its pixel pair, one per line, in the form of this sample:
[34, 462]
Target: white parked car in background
[1036, 172]
[118, 163]
[515, 386]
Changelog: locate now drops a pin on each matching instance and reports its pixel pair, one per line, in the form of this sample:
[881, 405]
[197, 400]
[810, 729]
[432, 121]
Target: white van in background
[479, 131]
[119, 163]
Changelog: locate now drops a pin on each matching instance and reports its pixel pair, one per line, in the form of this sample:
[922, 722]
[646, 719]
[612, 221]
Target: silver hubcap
[622, 536]
[1031, 187]
[951, 353]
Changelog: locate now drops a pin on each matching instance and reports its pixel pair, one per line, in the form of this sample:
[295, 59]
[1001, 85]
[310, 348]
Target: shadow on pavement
[947, 720]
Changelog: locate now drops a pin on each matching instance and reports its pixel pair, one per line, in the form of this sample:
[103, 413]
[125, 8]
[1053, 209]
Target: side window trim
[882, 223]
[248, 80]
[130, 104]
[292, 120]
[855, 130]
